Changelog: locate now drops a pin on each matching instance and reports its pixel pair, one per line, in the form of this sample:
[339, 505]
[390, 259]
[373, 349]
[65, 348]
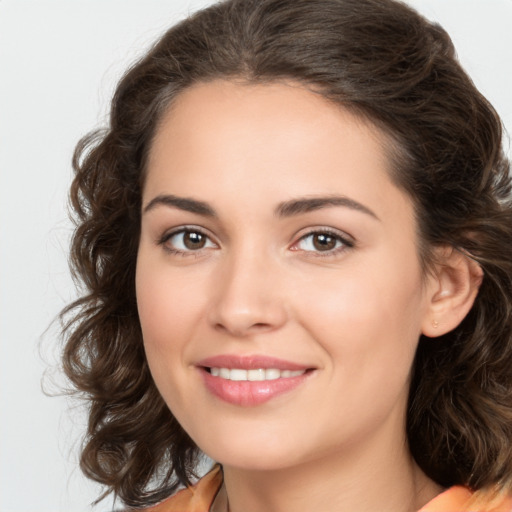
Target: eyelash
[344, 242]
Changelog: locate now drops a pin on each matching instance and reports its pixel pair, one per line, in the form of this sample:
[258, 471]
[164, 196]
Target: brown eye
[324, 242]
[186, 241]
[193, 240]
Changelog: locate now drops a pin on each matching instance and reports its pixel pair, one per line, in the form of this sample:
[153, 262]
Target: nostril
[242, 329]
[261, 325]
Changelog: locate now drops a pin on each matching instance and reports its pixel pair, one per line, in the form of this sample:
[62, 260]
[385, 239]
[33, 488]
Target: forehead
[271, 116]
[288, 102]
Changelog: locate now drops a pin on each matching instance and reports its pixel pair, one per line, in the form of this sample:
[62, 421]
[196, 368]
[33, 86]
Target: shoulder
[461, 499]
[197, 498]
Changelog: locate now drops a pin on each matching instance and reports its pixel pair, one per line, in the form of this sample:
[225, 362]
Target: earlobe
[452, 290]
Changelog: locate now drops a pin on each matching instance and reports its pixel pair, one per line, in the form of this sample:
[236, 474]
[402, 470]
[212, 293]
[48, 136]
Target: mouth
[251, 380]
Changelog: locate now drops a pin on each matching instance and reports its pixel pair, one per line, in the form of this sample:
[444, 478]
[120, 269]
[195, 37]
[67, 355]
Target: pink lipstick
[251, 380]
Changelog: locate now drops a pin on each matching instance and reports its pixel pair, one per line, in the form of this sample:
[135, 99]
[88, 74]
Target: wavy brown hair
[381, 60]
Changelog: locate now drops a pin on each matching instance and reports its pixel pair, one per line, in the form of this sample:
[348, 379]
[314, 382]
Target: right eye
[186, 241]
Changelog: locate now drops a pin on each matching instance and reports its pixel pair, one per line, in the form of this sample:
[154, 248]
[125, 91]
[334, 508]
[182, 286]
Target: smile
[254, 375]
[251, 380]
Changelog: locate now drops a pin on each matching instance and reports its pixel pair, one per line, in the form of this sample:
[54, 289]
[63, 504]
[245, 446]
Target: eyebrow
[182, 203]
[285, 209]
[299, 206]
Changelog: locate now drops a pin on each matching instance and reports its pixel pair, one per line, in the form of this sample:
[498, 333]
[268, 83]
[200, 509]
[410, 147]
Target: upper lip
[251, 362]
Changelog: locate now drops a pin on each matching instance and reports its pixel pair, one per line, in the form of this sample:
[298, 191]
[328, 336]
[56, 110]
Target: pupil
[324, 242]
[194, 240]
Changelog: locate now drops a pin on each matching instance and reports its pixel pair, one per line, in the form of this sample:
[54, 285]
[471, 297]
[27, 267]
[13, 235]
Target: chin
[252, 455]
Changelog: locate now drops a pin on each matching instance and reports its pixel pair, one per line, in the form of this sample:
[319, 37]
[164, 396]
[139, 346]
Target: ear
[451, 291]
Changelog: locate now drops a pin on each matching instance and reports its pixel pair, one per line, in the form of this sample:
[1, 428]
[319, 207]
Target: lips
[251, 380]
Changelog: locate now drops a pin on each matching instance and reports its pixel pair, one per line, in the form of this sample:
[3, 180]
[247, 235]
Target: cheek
[369, 315]
[166, 327]
[164, 312]
[367, 326]
[166, 305]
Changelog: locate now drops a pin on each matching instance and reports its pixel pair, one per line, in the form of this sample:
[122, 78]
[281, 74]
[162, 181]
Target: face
[279, 287]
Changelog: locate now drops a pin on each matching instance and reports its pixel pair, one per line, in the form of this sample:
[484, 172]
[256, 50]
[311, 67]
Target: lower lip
[250, 393]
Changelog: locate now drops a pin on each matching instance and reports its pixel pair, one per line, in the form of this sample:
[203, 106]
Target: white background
[59, 61]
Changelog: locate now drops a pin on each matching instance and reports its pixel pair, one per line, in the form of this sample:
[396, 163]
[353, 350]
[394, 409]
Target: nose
[249, 297]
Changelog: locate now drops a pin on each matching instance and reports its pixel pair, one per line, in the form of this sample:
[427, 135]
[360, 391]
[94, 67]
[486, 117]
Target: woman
[295, 237]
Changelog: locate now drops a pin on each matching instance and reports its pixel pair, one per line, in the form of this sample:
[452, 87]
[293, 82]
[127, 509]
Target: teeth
[236, 374]
[272, 374]
[258, 374]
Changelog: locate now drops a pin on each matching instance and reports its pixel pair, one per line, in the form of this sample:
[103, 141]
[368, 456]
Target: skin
[259, 285]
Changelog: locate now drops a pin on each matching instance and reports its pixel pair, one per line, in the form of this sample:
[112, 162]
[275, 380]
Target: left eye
[321, 242]
[188, 240]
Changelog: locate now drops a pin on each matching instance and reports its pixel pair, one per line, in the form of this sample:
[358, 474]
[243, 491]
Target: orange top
[197, 498]
[200, 497]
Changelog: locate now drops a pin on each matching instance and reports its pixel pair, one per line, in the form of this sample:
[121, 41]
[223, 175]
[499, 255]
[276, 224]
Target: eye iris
[194, 240]
[324, 242]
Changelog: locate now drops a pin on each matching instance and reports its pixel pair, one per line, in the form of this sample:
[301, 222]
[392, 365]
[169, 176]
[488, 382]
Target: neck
[381, 477]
